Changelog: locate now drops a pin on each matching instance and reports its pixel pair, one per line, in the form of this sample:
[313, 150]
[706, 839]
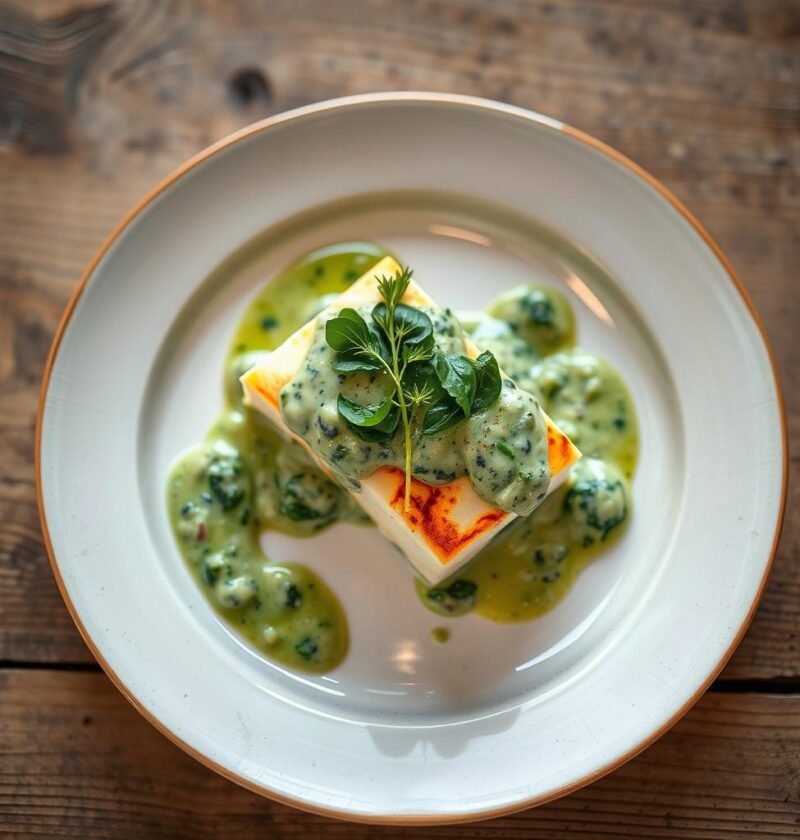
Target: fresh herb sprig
[430, 391]
[469, 386]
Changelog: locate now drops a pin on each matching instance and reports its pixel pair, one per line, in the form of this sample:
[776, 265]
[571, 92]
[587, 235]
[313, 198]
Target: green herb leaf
[380, 342]
[361, 348]
[356, 361]
[397, 340]
[419, 352]
[364, 416]
[384, 431]
[413, 326]
[441, 416]
[457, 375]
[410, 327]
[488, 382]
[348, 331]
[421, 384]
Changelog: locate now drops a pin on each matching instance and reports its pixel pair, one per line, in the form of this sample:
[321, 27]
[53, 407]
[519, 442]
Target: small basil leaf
[419, 352]
[356, 361]
[379, 342]
[411, 325]
[348, 331]
[383, 432]
[363, 415]
[380, 317]
[414, 324]
[421, 378]
[458, 378]
[488, 382]
[442, 415]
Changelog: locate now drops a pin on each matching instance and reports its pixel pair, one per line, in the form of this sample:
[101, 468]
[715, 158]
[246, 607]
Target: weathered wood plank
[78, 761]
[98, 102]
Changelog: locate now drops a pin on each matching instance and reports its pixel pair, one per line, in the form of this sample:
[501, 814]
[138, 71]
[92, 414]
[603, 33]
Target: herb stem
[401, 401]
[407, 432]
[409, 340]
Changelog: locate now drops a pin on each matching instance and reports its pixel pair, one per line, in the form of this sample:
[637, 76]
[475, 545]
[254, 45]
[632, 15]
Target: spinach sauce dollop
[533, 563]
[502, 447]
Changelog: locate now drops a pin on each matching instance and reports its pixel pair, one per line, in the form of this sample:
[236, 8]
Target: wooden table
[99, 101]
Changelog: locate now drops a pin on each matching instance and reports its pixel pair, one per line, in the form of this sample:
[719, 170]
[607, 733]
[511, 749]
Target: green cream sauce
[245, 478]
[533, 563]
[503, 449]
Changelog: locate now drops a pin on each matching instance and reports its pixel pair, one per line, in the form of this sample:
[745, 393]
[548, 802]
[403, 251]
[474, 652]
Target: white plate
[476, 196]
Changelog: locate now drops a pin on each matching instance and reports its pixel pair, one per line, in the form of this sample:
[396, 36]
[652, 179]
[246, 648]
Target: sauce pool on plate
[245, 477]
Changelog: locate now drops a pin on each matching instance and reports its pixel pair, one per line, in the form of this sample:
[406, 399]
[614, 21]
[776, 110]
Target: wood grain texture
[80, 762]
[100, 100]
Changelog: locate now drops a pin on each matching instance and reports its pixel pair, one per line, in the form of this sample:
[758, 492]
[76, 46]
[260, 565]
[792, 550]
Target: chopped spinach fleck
[327, 429]
[539, 309]
[461, 589]
[297, 511]
[339, 453]
[226, 480]
[457, 598]
[503, 447]
[307, 648]
[211, 569]
[294, 597]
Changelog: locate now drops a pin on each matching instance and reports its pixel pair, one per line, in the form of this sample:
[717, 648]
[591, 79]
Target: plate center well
[463, 253]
